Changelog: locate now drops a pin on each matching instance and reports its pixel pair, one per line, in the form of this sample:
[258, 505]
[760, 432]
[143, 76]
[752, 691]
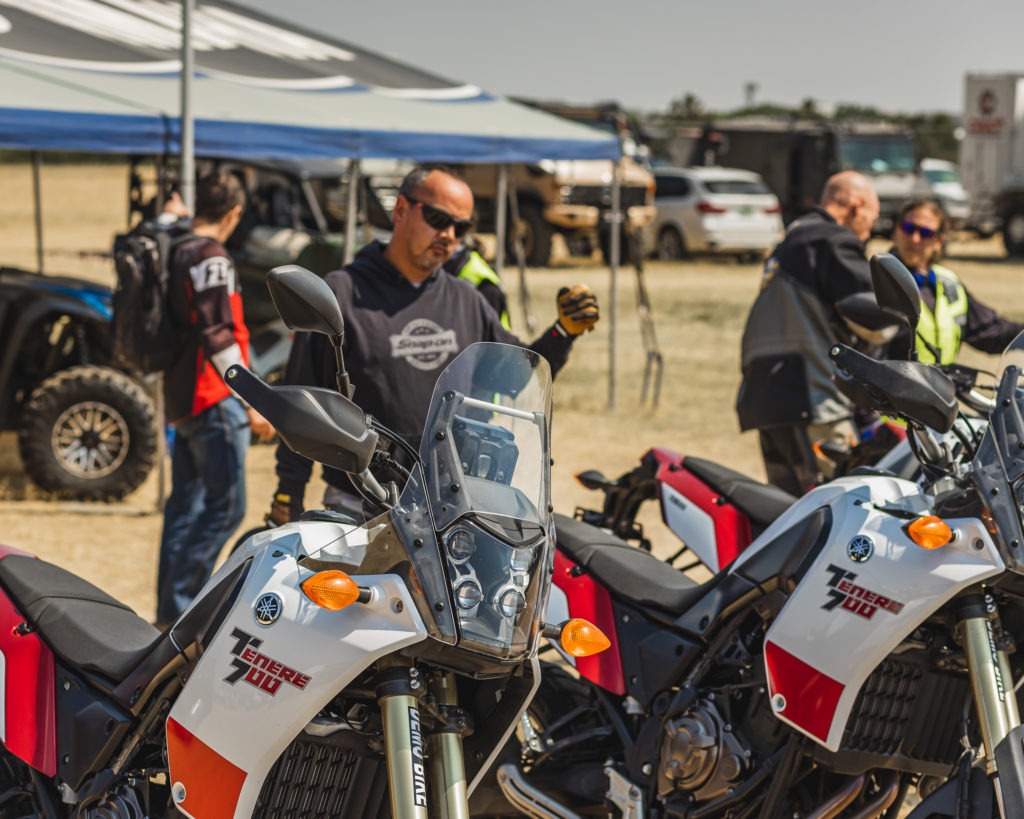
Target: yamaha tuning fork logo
[267, 609]
[860, 549]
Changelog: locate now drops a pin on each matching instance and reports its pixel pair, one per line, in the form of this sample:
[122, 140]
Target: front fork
[409, 764]
[994, 695]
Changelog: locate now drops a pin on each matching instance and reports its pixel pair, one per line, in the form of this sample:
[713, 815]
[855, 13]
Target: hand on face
[915, 249]
[863, 215]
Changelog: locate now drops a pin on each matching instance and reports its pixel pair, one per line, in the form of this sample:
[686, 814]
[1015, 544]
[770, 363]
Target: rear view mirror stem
[344, 385]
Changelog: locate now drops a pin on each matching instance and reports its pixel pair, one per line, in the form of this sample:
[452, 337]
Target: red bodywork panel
[591, 601]
[30, 719]
[212, 783]
[732, 528]
[811, 697]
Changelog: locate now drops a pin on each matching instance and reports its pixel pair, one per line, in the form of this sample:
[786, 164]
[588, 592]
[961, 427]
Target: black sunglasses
[909, 229]
[440, 219]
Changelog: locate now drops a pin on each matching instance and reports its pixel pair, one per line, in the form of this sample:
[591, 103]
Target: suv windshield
[876, 154]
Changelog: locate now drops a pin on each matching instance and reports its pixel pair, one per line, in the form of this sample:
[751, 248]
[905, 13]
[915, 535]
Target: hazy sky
[899, 55]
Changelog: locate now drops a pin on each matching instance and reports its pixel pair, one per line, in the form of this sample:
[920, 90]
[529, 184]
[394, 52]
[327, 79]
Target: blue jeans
[206, 505]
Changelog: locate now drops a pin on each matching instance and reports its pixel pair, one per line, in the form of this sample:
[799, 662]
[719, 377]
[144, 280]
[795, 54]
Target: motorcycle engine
[700, 754]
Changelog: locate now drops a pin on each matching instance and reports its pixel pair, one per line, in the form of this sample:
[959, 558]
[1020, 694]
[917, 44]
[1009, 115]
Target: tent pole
[351, 211]
[614, 254]
[37, 199]
[188, 159]
[500, 219]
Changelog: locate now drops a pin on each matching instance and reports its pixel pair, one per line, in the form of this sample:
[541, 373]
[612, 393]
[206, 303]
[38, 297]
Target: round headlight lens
[511, 603]
[468, 594]
[460, 544]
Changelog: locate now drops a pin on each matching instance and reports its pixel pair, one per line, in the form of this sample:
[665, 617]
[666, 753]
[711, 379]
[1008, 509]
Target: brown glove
[284, 509]
[577, 309]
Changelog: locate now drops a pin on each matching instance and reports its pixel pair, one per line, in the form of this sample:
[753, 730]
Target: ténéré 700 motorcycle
[863, 645]
[328, 668]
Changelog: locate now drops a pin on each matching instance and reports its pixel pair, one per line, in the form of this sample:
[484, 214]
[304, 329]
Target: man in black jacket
[787, 393]
[405, 319]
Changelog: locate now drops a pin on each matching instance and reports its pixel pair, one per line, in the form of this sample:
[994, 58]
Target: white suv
[713, 210]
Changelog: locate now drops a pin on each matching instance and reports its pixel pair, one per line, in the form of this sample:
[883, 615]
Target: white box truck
[992, 155]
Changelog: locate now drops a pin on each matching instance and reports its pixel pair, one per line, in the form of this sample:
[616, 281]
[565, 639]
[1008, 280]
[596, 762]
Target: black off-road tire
[88, 433]
[626, 249]
[537, 236]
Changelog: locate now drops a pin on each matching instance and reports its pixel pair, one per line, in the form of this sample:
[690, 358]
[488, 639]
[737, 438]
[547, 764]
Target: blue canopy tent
[105, 76]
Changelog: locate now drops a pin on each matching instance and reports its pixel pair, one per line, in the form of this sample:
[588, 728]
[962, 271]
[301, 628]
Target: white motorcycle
[863, 645]
[328, 668]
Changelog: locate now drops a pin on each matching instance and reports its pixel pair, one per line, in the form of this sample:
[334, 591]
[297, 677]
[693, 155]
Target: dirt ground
[698, 309]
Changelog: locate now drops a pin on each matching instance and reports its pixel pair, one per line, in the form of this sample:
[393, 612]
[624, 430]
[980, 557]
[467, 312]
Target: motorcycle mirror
[304, 301]
[895, 288]
[867, 319]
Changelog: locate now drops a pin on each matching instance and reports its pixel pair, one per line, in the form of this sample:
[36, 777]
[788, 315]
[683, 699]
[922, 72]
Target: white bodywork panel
[846, 616]
[250, 727]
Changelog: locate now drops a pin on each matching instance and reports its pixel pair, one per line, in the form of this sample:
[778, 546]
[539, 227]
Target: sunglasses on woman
[909, 229]
[440, 219]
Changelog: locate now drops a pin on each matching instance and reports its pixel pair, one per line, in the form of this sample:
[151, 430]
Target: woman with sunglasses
[950, 315]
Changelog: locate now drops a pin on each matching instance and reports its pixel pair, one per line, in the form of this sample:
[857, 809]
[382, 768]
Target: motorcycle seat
[762, 503]
[86, 628]
[630, 574]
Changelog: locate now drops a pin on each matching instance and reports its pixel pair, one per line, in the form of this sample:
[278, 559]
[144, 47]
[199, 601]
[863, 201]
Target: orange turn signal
[581, 638]
[331, 589]
[930, 532]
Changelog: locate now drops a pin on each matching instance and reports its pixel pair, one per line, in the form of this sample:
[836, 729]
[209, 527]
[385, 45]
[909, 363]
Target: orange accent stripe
[212, 784]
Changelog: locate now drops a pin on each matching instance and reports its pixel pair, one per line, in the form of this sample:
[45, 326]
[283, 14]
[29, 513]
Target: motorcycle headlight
[494, 588]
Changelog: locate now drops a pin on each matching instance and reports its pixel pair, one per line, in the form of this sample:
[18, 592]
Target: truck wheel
[625, 247]
[670, 245]
[88, 433]
[537, 235]
[1013, 232]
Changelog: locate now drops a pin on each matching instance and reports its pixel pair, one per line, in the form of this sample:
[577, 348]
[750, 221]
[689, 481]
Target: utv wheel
[626, 249]
[88, 433]
[537, 235]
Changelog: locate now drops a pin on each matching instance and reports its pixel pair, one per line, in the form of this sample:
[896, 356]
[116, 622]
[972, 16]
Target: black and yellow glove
[577, 309]
[283, 509]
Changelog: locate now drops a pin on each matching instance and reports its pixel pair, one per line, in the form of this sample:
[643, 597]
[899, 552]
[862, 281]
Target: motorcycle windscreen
[998, 464]
[486, 456]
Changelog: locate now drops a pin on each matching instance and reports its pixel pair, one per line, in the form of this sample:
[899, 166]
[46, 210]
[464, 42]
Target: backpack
[146, 337]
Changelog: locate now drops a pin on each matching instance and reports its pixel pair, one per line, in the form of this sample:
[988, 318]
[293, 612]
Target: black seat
[87, 628]
[762, 503]
[629, 573]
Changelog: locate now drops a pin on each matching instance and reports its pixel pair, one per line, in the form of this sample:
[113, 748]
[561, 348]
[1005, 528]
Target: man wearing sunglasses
[405, 319]
[787, 393]
[950, 315]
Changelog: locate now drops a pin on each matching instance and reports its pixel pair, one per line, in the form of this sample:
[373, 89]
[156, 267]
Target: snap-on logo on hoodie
[424, 344]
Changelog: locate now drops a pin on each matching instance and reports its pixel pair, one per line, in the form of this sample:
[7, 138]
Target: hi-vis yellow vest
[942, 328]
[475, 271]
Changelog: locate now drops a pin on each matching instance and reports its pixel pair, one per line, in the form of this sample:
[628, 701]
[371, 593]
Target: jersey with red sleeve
[208, 298]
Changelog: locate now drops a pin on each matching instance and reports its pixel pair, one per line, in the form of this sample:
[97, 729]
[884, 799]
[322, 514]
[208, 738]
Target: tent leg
[654, 363]
[188, 140]
[37, 199]
[351, 211]
[500, 219]
[615, 219]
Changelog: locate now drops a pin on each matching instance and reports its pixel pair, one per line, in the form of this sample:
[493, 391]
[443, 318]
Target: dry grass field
[698, 307]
